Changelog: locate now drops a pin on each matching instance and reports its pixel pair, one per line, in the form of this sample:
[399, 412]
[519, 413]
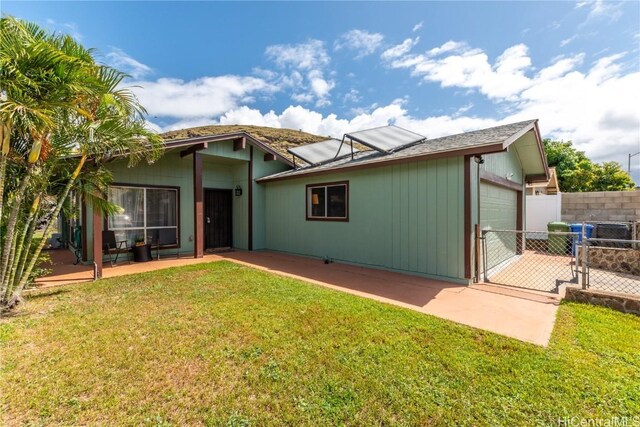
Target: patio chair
[167, 238]
[111, 246]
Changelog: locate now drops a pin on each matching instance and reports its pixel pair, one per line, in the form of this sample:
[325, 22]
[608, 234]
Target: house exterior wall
[406, 217]
[500, 164]
[262, 168]
[169, 170]
[222, 168]
[498, 209]
[225, 175]
[504, 164]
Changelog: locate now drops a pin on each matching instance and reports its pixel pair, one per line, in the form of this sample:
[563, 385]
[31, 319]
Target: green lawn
[222, 344]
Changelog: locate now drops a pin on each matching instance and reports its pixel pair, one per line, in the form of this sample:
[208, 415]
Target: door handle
[208, 220]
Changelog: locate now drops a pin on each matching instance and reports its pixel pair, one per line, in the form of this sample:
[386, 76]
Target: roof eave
[476, 150]
[227, 136]
[533, 126]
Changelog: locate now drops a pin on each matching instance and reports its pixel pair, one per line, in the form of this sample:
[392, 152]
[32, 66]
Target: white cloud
[246, 115]
[302, 56]
[119, 60]
[447, 47]
[400, 49]
[560, 67]
[298, 117]
[568, 40]
[319, 85]
[601, 9]
[417, 27]
[203, 97]
[460, 111]
[363, 42]
[306, 64]
[470, 68]
[596, 108]
[352, 97]
[302, 97]
[593, 104]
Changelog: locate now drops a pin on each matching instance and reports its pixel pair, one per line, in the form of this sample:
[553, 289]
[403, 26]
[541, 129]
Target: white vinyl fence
[541, 210]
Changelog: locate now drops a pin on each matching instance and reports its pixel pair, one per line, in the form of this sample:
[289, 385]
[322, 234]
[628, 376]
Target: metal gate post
[477, 253]
[584, 257]
[484, 255]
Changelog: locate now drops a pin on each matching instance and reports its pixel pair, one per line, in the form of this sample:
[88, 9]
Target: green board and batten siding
[498, 206]
[169, 170]
[262, 168]
[406, 217]
[222, 168]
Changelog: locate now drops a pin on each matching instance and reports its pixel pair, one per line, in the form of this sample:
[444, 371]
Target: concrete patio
[524, 315]
[63, 272]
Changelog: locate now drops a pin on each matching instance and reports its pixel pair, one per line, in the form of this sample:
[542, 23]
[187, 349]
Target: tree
[61, 116]
[611, 177]
[577, 173]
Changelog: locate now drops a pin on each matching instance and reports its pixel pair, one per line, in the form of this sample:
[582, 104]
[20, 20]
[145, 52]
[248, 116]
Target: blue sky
[434, 67]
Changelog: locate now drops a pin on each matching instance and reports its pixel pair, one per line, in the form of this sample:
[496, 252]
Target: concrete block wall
[601, 206]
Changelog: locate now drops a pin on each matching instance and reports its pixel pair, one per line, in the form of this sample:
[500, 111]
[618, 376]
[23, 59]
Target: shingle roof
[480, 137]
[453, 144]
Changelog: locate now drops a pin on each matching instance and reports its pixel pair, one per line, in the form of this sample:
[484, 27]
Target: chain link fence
[541, 261]
[544, 261]
[611, 265]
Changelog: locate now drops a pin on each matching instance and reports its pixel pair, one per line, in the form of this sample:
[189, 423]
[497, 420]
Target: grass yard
[223, 344]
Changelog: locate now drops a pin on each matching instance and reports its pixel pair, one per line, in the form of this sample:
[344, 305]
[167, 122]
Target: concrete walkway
[524, 315]
[63, 272]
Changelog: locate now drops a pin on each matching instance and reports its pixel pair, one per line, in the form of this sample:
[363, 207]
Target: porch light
[238, 191]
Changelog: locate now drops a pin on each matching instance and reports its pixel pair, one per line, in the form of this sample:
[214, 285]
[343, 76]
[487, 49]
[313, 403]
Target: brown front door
[217, 219]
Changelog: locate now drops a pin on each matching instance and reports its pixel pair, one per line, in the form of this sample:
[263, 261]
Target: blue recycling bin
[577, 228]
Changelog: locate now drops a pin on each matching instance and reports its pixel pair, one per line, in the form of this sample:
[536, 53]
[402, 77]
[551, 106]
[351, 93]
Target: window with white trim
[328, 202]
[145, 214]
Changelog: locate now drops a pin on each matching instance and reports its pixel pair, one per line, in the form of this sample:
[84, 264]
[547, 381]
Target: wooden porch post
[520, 224]
[198, 208]
[97, 241]
[467, 217]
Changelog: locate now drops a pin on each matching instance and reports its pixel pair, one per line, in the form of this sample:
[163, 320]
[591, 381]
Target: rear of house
[411, 210]
[387, 198]
[199, 196]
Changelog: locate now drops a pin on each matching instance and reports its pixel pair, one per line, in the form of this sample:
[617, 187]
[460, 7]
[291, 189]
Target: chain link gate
[541, 261]
[544, 261]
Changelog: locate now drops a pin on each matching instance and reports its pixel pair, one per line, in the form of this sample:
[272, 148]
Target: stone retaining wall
[620, 302]
[620, 260]
[601, 206]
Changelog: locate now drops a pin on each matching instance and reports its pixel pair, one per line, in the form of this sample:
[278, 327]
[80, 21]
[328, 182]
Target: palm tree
[60, 111]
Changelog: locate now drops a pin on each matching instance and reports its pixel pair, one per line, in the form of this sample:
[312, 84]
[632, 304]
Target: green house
[384, 198]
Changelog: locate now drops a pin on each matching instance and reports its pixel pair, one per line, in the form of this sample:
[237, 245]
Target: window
[146, 213]
[328, 202]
